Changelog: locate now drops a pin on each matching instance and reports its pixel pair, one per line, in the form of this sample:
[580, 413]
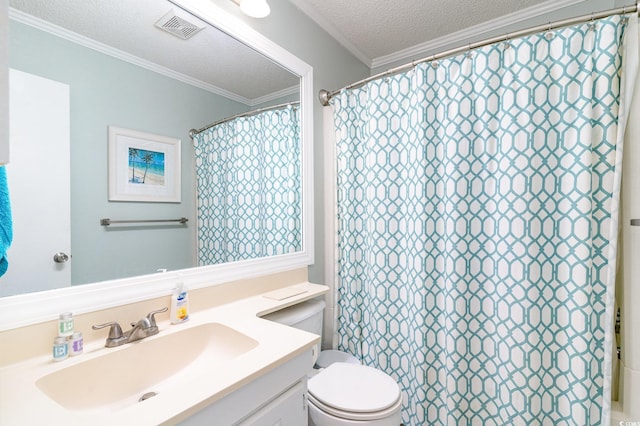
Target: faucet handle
[115, 333]
[151, 316]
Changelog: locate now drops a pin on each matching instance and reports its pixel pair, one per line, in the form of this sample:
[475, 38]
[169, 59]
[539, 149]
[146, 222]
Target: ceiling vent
[177, 26]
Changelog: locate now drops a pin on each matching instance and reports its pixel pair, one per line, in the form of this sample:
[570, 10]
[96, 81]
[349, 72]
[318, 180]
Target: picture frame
[143, 167]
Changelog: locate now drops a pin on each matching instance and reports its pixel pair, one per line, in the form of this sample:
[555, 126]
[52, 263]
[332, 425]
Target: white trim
[306, 119]
[326, 25]
[330, 229]
[275, 95]
[89, 43]
[32, 308]
[423, 49]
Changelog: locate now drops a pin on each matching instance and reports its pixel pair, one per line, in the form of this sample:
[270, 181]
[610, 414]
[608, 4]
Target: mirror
[199, 90]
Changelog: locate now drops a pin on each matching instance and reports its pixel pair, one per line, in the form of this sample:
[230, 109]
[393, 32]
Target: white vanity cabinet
[277, 398]
[290, 408]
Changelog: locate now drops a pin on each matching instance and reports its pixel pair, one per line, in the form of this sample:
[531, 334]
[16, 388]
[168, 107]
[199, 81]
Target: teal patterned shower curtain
[477, 226]
[249, 187]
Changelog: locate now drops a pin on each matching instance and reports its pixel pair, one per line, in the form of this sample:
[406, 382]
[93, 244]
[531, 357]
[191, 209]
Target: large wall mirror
[123, 71]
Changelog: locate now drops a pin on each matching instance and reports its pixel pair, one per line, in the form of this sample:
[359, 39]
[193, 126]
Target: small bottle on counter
[179, 305]
[65, 324]
[60, 348]
[76, 343]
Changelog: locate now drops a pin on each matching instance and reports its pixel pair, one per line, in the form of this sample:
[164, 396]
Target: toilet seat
[354, 392]
[347, 415]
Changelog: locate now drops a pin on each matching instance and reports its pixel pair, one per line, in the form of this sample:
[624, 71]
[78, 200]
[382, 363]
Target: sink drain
[147, 396]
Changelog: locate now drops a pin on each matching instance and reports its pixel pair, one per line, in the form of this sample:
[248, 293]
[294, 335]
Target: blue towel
[6, 226]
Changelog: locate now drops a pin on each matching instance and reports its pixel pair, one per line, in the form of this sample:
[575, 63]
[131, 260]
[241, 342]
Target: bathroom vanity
[226, 365]
[277, 398]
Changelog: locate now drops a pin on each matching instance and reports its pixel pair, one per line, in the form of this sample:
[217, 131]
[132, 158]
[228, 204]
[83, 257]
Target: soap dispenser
[179, 304]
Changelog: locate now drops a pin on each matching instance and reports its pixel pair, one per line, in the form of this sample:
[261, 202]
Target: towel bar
[107, 221]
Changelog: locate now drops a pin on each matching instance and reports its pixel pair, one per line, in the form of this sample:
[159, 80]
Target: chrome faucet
[139, 330]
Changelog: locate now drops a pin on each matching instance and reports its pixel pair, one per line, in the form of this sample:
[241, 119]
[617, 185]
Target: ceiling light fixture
[255, 8]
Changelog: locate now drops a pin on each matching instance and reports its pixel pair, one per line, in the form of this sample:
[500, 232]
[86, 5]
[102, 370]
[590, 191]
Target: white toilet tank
[305, 316]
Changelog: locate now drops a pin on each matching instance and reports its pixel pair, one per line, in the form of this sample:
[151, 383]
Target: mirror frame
[31, 308]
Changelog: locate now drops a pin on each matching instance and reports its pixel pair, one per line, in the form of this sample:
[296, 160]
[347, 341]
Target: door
[39, 185]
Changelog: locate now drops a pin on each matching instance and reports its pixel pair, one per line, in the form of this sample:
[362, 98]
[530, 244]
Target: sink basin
[122, 376]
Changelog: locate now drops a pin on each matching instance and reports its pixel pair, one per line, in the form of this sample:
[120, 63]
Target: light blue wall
[106, 91]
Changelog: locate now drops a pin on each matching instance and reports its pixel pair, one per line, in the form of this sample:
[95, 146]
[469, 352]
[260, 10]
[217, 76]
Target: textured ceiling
[382, 27]
[375, 29]
[210, 56]
[378, 32]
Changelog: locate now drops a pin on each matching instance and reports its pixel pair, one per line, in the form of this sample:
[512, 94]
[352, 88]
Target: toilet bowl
[342, 391]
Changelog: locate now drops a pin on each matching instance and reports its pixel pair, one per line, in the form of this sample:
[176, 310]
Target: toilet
[342, 391]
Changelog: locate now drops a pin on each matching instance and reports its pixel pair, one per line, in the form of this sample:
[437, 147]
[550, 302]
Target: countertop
[22, 402]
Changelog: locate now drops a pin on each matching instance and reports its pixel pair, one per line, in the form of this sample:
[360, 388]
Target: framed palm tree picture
[143, 167]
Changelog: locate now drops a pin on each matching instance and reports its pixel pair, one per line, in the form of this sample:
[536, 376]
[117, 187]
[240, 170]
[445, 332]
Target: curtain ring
[549, 34]
[592, 24]
[507, 43]
[433, 61]
[624, 19]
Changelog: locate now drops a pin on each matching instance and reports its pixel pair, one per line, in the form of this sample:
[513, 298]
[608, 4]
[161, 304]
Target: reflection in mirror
[120, 69]
[249, 185]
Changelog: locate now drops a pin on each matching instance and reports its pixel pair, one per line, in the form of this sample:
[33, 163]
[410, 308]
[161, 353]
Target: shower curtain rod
[194, 132]
[325, 96]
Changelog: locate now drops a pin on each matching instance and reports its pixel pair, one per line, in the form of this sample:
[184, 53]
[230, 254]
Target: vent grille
[177, 26]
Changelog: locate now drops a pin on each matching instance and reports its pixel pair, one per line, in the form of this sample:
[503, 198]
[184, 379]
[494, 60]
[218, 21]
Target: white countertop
[198, 384]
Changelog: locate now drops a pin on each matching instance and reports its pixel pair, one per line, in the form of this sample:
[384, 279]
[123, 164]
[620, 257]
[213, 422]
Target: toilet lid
[354, 388]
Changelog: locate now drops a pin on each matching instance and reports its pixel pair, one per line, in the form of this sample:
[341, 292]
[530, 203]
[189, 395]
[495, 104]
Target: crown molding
[423, 49]
[89, 43]
[293, 90]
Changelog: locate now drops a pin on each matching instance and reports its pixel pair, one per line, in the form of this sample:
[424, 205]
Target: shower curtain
[477, 215]
[248, 187]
